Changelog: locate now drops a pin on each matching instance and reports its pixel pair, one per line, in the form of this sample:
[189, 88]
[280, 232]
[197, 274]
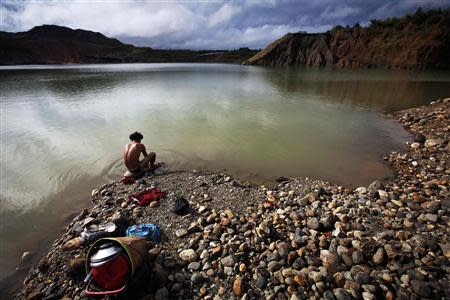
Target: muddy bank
[303, 238]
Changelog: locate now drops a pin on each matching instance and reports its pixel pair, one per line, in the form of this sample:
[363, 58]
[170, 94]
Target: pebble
[378, 257]
[181, 232]
[188, 255]
[273, 266]
[261, 282]
[197, 278]
[421, 288]
[162, 294]
[154, 204]
[194, 266]
[228, 261]
[357, 257]
[313, 223]
[238, 286]
[433, 142]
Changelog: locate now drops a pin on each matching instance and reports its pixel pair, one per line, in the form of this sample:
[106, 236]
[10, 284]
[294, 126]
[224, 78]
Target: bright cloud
[339, 12]
[200, 24]
[224, 14]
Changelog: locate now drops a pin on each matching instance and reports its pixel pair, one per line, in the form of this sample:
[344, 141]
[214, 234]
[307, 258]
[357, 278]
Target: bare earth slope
[418, 41]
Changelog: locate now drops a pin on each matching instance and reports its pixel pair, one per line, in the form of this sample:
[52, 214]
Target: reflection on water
[384, 90]
[63, 129]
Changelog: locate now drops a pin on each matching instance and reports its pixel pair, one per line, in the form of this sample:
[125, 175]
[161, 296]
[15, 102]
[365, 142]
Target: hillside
[51, 44]
[421, 40]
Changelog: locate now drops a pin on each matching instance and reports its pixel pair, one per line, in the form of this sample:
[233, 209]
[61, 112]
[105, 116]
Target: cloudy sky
[202, 24]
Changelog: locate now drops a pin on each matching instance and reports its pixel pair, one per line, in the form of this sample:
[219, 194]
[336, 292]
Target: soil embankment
[414, 41]
[303, 238]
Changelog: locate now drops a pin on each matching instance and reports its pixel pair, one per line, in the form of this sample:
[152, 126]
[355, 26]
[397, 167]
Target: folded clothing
[145, 197]
[144, 230]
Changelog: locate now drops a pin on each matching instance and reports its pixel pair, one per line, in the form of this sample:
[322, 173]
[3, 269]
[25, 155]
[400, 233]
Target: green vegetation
[419, 20]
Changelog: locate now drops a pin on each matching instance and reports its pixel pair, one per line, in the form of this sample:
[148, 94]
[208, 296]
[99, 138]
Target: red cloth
[145, 197]
[127, 180]
[113, 274]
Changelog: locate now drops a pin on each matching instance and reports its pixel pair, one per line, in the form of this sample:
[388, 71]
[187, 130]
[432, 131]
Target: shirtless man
[132, 153]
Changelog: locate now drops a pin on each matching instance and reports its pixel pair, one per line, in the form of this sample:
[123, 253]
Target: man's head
[136, 136]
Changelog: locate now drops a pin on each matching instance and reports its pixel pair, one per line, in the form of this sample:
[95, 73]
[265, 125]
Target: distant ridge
[418, 41]
[51, 44]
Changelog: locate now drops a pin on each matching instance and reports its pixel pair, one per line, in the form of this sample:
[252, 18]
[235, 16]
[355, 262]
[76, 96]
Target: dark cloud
[203, 24]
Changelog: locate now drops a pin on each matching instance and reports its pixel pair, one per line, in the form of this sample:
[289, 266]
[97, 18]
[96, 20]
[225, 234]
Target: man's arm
[125, 150]
[144, 152]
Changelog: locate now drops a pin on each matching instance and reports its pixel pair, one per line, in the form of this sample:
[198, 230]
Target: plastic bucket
[135, 249]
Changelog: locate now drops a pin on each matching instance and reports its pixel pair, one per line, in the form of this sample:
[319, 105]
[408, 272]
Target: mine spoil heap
[414, 41]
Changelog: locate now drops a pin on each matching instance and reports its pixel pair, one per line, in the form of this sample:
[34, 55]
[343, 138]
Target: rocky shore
[302, 239]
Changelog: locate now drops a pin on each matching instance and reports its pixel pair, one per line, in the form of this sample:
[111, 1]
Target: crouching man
[132, 153]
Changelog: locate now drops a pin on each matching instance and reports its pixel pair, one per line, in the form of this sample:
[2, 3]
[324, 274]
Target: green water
[64, 127]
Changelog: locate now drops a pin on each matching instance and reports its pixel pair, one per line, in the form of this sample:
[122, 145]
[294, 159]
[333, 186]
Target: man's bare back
[132, 153]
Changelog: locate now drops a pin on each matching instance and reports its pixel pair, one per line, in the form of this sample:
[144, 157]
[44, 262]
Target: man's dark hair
[136, 136]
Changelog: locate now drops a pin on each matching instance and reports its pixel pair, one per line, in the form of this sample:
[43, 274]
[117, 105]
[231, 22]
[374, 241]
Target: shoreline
[312, 238]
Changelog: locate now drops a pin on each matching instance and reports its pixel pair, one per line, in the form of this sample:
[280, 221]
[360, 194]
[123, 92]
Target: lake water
[63, 129]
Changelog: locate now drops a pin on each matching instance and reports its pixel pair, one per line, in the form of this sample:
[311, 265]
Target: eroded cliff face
[376, 46]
